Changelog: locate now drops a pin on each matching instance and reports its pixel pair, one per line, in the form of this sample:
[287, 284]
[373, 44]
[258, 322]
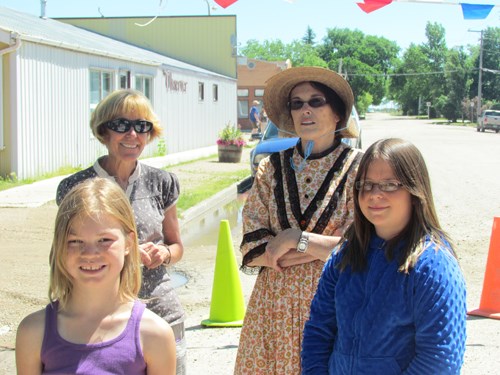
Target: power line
[409, 74]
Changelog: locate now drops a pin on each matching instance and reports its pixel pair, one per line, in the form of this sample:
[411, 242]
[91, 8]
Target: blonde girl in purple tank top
[94, 323]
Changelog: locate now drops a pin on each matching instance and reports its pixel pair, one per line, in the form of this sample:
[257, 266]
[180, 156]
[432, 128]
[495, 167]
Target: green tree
[457, 83]
[436, 51]
[299, 53]
[363, 101]
[491, 66]
[365, 60]
[407, 86]
[309, 37]
[269, 50]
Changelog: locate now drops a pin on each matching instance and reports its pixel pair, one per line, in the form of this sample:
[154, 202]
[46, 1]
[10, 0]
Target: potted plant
[230, 144]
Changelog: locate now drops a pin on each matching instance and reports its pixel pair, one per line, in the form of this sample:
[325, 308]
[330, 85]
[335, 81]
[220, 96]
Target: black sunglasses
[296, 104]
[122, 125]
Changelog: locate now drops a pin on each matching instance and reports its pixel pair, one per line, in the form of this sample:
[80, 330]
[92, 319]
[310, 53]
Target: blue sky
[288, 20]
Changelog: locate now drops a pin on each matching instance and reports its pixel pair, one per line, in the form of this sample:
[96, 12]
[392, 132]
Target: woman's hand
[284, 242]
[154, 255]
[293, 258]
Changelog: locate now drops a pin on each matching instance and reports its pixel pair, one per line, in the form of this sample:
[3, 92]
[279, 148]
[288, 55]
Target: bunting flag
[225, 3]
[370, 5]
[476, 11]
[470, 11]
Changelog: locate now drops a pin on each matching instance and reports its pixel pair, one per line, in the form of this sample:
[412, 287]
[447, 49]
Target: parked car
[271, 142]
[490, 119]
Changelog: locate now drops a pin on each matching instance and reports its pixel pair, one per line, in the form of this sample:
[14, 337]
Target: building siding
[53, 108]
[205, 41]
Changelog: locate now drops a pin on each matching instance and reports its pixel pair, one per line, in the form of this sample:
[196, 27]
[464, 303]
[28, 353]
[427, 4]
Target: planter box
[230, 153]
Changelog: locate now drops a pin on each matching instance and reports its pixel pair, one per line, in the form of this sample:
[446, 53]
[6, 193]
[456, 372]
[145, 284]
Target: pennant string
[470, 11]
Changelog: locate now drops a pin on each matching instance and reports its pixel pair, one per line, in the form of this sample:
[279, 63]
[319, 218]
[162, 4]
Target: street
[464, 167]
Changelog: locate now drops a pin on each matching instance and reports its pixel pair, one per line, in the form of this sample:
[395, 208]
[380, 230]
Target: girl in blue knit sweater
[391, 298]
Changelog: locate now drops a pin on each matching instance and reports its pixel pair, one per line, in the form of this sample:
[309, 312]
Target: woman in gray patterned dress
[125, 123]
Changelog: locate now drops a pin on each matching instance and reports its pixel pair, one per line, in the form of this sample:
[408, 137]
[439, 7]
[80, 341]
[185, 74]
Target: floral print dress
[318, 199]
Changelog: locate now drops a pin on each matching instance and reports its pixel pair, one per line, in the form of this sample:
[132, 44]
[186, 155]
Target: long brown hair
[410, 169]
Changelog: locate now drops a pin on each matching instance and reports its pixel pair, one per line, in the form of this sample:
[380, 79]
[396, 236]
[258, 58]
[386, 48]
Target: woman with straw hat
[298, 207]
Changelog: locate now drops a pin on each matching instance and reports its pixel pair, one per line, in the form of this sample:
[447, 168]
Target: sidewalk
[44, 191]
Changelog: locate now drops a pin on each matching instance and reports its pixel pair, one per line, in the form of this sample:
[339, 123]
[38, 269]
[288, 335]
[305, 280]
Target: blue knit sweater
[381, 321]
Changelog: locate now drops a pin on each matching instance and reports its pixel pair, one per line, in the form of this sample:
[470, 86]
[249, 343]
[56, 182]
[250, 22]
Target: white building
[53, 74]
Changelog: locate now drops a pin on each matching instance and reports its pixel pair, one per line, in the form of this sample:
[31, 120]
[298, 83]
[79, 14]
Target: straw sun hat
[279, 86]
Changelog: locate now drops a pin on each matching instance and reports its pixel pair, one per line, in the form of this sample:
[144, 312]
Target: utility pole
[480, 81]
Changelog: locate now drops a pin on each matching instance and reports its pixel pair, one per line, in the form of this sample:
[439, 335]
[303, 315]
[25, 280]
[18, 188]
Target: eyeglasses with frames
[122, 125]
[296, 104]
[385, 186]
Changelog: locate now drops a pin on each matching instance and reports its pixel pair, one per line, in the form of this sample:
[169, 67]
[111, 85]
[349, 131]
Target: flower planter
[230, 153]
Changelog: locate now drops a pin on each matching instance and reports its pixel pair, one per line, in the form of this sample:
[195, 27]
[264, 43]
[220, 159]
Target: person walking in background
[298, 206]
[392, 299]
[125, 123]
[263, 119]
[254, 116]
[94, 323]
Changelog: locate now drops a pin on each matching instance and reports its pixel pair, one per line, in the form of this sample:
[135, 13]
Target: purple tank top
[121, 355]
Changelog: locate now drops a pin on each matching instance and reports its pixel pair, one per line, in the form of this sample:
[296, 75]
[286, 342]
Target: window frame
[201, 91]
[102, 92]
[142, 79]
[215, 92]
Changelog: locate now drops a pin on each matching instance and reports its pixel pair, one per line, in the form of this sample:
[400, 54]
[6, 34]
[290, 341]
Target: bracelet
[167, 262]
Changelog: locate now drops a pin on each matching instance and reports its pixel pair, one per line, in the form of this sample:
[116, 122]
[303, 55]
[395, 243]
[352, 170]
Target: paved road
[464, 169]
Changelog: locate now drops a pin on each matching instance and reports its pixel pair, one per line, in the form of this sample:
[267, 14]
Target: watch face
[302, 246]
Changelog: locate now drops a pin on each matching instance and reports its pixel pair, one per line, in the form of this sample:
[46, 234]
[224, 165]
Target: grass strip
[207, 185]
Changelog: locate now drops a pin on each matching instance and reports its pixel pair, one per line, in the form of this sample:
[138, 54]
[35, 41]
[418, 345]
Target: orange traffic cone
[490, 298]
[227, 308]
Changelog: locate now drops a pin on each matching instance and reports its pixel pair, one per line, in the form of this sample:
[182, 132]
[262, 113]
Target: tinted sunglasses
[386, 186]
[122, 125]
[296, 104]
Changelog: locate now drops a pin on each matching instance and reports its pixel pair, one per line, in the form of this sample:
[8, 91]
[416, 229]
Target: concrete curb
[203, 208]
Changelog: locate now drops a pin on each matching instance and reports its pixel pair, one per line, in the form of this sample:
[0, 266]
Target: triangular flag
[371, 5]
[225, 3]
[476, 11]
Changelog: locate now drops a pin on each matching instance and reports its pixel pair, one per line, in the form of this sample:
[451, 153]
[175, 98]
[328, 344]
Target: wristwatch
[303, 242]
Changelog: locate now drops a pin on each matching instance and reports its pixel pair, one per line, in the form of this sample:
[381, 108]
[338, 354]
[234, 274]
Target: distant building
[252, 77]
[53, 74]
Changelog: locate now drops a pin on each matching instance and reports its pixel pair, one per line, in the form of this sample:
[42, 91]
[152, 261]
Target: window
[259, 92]
[144, 84]
[100, 86]
[242, 92]
[215, 92]
[242, 109]
[201, 91]
[124, 79]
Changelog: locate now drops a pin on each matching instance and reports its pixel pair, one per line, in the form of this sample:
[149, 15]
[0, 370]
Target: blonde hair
[92, 198]
[117, 104]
